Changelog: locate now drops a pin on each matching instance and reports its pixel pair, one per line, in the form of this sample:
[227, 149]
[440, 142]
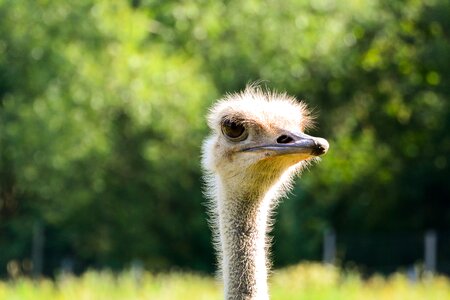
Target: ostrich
[256, 147]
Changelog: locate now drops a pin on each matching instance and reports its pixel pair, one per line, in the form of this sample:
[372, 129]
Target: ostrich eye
[234, 131]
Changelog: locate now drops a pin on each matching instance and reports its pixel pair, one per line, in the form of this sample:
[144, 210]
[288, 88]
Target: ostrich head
[258, 138]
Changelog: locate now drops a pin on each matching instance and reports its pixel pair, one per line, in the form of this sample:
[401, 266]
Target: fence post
[329, 247]
[137, 270]
[37, 250]
[67, 266]
[430, 251]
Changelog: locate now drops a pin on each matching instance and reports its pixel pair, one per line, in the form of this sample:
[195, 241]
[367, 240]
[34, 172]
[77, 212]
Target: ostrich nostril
[321, 146]
[318, 150]
[284, 139]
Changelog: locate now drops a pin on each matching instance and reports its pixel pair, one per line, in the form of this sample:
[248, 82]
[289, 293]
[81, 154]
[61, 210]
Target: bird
[256, 146]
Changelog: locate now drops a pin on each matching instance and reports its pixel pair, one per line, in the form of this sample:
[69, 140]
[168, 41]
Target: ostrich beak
[290, 143]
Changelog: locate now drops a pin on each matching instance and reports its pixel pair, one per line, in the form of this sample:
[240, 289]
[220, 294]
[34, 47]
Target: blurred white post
[329, 247]
[137, 270]
[430, 251]
[37, 251]
[67, 266]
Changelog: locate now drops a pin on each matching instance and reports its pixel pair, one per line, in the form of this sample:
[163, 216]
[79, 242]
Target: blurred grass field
[304, 281]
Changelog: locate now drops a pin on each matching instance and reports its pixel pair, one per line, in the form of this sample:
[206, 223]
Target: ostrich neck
[243, 220]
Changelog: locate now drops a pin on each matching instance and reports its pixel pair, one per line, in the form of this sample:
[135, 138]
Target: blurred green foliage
[102, 115]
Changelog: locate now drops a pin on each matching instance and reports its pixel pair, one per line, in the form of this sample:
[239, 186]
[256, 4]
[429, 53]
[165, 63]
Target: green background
[102, 107]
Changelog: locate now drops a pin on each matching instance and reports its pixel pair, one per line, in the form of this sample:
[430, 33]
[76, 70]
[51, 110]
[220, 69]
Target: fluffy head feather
[266, 116]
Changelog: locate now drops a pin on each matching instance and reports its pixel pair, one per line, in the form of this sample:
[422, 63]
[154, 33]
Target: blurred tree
[99, 129]
[101, 120]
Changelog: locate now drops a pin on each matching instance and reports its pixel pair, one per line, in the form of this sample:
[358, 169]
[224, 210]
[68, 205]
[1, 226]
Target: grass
[304, 281]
